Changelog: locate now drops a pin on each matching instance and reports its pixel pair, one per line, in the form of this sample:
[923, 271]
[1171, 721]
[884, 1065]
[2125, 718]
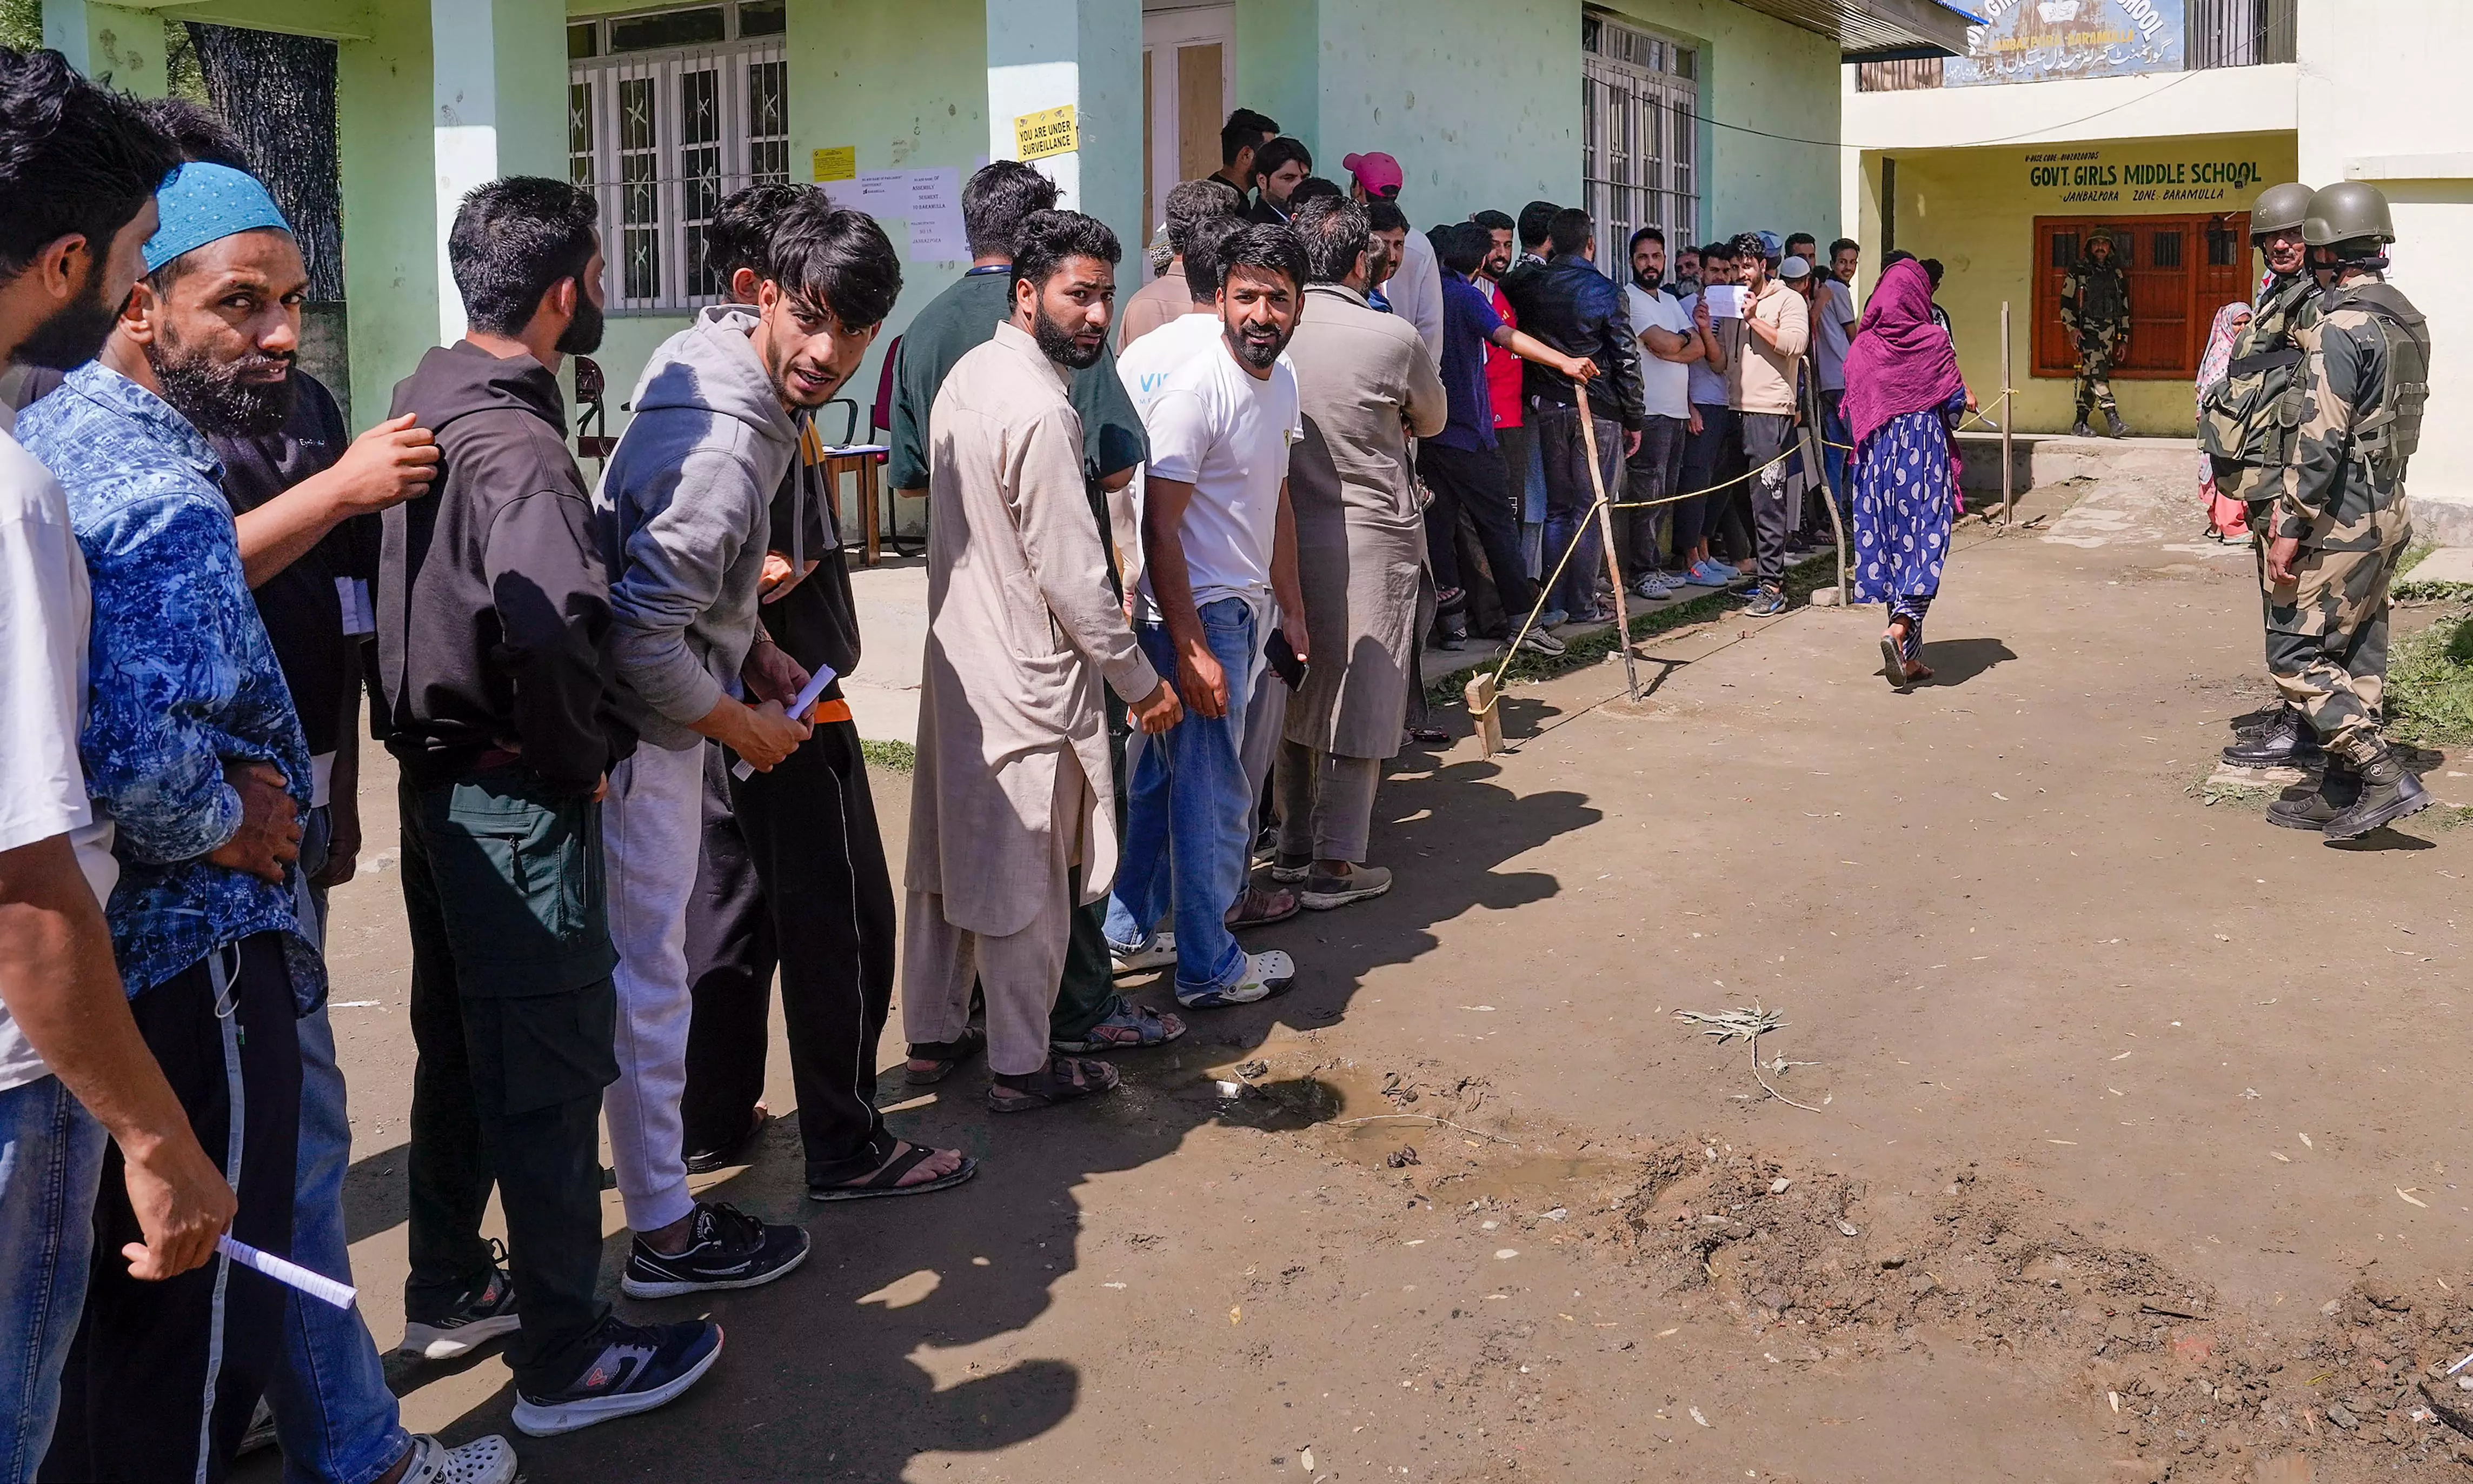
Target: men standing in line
[1090, 1014]
[1220, 539]
[2248, 439]
[685, 509]
[1278, 167]
[493, 634]
[1572, 307]
[1713, 445]
[1244, 134]
[793, 873]
[2341, 523]
[1832, 327]
[1414, 288]
[193, 748]
[1669, 345]
[1366, 386]
[1165, 298]
[2095, 312]
[1013, 816]
[1463, 465]
[1763, 368]
[77, 172]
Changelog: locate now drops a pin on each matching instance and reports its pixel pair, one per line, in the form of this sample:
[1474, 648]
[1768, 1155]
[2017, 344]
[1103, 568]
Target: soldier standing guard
[2095, 309]
[2249, 426]
[2340, 524]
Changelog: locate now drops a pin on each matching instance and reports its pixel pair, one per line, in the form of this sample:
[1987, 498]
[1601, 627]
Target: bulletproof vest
[2386, 435]
[2103, 294]
[2251, 420]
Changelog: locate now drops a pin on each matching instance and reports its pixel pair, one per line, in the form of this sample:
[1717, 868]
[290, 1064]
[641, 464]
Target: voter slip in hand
[806, 702]
[1725, 301]
[292, 1275]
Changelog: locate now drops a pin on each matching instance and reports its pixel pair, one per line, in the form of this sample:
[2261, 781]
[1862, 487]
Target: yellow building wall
[1976, 211]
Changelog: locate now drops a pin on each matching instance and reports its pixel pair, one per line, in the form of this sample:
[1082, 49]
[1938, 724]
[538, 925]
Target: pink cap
[1378, 173]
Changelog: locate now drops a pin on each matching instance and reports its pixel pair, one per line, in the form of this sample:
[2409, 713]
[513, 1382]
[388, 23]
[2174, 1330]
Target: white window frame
[1640, 159]
[733, 156]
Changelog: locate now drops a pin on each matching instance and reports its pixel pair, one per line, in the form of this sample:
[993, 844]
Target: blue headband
[203, 204]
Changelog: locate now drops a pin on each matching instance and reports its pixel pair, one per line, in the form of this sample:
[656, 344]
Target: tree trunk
[277, 93]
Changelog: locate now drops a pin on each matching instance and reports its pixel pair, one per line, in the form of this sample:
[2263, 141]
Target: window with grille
[668, 111]
[1640, 146]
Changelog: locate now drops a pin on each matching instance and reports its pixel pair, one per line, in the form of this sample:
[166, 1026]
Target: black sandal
[944, 1054]
[703, 1162]
[1065, 1079]
[886, 1178]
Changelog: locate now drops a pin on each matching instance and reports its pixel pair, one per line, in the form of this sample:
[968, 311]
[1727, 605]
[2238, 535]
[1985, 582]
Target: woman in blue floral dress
[1904, 399]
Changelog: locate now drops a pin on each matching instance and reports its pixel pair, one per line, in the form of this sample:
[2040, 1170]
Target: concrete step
[2052, 457]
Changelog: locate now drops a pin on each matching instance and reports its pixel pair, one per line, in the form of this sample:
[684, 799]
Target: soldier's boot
[2080, 429]
[2288, 741]
[2390, 792]
[2334, 792]
[2112, 420]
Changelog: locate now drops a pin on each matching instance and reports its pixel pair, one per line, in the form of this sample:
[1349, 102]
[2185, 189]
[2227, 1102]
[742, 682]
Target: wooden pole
[2008, 416]
[1483, 704]
[1606, 531]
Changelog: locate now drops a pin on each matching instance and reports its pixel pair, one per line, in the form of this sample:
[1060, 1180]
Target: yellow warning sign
[839, 163]
[1045, 132]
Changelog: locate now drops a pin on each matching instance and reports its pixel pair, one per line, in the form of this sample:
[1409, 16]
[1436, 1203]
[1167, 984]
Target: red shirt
[1502, 367]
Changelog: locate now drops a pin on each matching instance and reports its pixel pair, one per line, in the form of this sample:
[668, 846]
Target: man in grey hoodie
[686, 525]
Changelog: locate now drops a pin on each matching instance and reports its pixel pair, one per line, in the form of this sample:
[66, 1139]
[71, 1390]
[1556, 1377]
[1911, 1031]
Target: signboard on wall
[2154, 175]
[2049, 40]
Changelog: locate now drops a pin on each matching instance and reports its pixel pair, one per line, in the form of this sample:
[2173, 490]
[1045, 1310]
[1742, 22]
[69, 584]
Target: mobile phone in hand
[1284, 660]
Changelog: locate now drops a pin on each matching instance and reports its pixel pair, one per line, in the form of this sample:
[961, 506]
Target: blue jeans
[1189, 814]
[51, 1164]
[1532, 503]
[335, 1417]
[1570, 502]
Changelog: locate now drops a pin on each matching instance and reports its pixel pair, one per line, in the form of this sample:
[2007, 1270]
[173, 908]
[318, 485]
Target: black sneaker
[638, 1368]
[479, 1319]
[727, 1248]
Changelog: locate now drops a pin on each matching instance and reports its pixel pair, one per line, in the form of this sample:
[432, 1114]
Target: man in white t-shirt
[1833, 316]
[1221, 546]
[76, 207]
[1669, 345]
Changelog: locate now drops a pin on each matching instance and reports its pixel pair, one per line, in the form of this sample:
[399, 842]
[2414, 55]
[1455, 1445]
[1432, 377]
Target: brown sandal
[943, 1055]
[1065, 1079]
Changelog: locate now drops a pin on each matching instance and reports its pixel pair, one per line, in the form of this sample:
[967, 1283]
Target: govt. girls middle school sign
[2044, 40]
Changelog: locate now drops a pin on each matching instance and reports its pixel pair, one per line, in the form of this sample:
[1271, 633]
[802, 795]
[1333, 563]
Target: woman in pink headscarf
[2227, 518]
[1904, 399]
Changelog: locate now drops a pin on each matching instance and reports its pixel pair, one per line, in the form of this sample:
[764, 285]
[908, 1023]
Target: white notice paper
[935, 211]
[1725, 301]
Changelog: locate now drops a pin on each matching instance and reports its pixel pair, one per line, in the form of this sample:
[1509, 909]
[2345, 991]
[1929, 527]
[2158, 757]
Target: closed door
[2181, 269]
[1188, 74]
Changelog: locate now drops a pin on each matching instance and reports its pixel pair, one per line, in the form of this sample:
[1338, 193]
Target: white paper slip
[801, 706]
[1725, 301]
[291, 1275]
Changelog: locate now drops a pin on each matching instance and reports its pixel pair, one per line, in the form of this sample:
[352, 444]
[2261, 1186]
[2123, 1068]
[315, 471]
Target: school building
[1698, 115]
[2163, 120]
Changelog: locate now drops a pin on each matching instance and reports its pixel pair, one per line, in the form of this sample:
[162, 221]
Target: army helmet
[2099, 234]
[2348, 211]
[2279, 208]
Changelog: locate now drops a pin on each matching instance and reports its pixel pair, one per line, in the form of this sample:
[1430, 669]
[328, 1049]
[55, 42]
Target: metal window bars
[1640, 148]
[660, 138]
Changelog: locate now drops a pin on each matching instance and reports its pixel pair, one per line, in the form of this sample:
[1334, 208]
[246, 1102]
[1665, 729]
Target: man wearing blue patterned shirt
[192, 748]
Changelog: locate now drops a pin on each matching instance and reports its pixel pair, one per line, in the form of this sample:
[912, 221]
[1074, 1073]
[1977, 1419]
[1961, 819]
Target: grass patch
[2430, 684]
[1802, 580]
[894, 756]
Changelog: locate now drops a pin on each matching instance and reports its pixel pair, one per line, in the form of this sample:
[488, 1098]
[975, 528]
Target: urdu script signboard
[2046, 41]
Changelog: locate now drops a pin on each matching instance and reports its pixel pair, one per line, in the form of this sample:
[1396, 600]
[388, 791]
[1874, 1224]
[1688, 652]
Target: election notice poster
[2045, 40]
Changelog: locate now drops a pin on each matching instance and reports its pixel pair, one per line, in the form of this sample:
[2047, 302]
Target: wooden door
[2181, 269]
[1189, 75]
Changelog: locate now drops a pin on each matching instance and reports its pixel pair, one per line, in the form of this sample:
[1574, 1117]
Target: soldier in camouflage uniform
[2340, 524]
[2095, 310]
[2248, 427]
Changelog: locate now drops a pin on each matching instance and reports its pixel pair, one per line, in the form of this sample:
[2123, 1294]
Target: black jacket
[1579, 311]
[494, 603]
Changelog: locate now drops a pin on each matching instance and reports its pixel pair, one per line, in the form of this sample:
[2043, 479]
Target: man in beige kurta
[1013, 807]
[1366, 385]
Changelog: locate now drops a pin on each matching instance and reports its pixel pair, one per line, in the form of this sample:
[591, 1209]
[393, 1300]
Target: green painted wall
[1279, 55]
[390, 224]
[1479, 99]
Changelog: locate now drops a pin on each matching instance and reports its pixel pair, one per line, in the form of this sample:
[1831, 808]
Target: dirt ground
[2133, 1146]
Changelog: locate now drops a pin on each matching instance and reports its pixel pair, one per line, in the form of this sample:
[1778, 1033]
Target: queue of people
[1179, 572]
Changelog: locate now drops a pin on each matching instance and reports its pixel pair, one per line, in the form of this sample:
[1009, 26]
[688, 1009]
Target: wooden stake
[1606, 531]
[1481, 698]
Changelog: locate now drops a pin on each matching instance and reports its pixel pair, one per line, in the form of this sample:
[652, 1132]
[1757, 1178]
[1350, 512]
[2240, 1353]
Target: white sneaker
[1160, 953]
[488, 1460]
